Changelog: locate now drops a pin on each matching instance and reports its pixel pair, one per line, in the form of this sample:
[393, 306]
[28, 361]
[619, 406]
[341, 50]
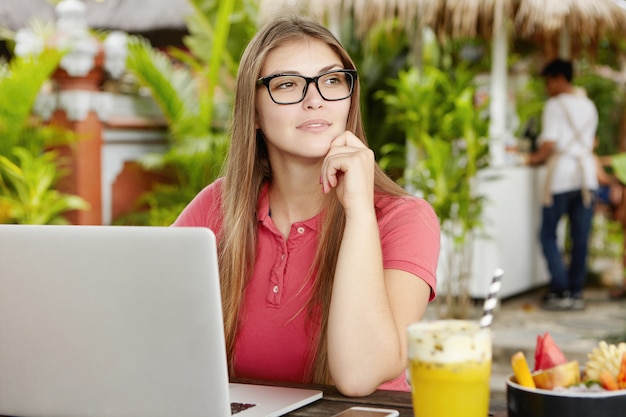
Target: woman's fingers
[337, 160]
[349, 168]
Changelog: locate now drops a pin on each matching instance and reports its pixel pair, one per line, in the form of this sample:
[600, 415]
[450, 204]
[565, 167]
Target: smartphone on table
[367, 412]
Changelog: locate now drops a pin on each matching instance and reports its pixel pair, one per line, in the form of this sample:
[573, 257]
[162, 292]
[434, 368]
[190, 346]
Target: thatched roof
[138, 15]
[126, 15]
[589, 17]
[17, 14]
[531, 19]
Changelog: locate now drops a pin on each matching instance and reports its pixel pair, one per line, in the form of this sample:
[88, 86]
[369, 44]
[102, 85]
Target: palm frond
[20, 83]
[172, 87]
[27, 194]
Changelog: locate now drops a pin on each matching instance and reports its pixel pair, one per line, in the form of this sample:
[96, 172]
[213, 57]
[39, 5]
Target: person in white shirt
[566, 143]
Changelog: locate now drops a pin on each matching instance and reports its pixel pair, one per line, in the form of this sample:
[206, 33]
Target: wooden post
[82, 159]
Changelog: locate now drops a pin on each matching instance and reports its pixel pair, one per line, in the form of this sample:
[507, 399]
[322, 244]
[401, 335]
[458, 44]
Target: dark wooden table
[333, 402]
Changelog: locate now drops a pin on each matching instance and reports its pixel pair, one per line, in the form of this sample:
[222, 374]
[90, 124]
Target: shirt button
[300, 229]
[282, 257]
[275, 289]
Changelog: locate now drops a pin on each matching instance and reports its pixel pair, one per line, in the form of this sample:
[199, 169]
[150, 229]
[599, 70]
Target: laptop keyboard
[239, 407]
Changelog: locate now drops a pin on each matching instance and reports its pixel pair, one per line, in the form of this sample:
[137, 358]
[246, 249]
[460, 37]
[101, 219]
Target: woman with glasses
[324, 260]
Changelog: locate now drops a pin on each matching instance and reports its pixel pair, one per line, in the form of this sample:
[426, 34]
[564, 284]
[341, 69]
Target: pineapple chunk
[604, 357]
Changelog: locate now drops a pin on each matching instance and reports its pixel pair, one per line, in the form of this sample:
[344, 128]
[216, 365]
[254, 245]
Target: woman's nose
[312, 97]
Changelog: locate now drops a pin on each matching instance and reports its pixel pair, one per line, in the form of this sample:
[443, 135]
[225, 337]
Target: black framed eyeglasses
[333, 85]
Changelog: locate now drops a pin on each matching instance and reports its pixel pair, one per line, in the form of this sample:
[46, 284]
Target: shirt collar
[263, 210]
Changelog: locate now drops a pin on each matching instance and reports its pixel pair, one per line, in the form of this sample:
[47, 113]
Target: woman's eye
[334, 79]
[285, 84]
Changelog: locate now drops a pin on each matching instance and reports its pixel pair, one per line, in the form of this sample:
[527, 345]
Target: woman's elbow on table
[355, 386]
[364, 381]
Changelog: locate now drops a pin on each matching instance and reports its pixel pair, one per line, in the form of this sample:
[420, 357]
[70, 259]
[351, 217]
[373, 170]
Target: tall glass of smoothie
[449, 368]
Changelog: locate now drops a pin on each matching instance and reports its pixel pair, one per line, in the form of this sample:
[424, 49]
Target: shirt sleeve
[551, 122]
[410, 238]
[204, 210]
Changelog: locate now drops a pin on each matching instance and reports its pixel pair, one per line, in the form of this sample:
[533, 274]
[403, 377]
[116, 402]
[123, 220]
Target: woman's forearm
[364, 345]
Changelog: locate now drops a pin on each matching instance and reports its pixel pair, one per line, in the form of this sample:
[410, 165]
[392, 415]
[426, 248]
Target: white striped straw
[492, 299]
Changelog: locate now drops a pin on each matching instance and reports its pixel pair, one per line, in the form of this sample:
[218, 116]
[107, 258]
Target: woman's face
[302, 130]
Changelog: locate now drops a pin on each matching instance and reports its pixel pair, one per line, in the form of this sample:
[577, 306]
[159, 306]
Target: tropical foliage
[448, 139]
[609, 97]
[380, 54]
[23, 77]
[28, 169]
[194, 90]
[27, 189]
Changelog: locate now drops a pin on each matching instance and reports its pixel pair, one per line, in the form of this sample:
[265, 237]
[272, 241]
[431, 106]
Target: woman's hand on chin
[349, 168]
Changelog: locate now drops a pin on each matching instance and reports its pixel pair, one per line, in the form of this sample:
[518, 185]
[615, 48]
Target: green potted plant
[28, 168]
[448, 135]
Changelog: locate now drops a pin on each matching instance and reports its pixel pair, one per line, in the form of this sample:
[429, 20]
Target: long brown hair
[246, 169]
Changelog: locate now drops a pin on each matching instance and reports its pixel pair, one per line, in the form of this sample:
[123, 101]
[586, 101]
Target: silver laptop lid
[110, 321]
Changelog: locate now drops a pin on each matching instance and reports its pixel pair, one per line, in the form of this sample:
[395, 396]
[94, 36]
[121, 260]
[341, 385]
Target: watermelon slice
[547, 353]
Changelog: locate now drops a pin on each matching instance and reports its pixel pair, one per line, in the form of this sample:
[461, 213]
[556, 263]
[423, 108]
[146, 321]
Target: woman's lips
[314, 125]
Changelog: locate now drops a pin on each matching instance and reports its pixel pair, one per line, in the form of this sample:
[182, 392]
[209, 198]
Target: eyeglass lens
[292, 88]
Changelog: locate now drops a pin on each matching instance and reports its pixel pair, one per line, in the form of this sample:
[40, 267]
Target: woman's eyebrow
[321, 71]
[330, 67]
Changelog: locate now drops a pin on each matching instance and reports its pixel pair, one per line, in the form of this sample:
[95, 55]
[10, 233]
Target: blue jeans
[580, 217]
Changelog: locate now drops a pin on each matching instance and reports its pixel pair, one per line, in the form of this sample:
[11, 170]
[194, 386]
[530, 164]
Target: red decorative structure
[113, 130]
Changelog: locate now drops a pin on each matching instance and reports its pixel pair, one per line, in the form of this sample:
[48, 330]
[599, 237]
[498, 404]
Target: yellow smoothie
[450, 368]
[450, 390]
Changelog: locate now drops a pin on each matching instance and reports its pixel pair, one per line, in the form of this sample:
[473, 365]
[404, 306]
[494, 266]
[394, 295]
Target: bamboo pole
[498, 87]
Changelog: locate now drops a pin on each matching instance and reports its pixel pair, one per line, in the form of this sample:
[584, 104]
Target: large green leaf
[27, 194]
[436, 111]
[173, 88]
[29, 174]
[20, 83]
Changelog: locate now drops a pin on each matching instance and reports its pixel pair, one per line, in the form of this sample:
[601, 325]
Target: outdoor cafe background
[506, 41]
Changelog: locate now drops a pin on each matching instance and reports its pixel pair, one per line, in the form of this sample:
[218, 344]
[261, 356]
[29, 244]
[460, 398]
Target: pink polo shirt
[276, 338]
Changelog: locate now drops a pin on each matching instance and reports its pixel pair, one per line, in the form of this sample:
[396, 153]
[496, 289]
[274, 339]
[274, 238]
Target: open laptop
[113, 321]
